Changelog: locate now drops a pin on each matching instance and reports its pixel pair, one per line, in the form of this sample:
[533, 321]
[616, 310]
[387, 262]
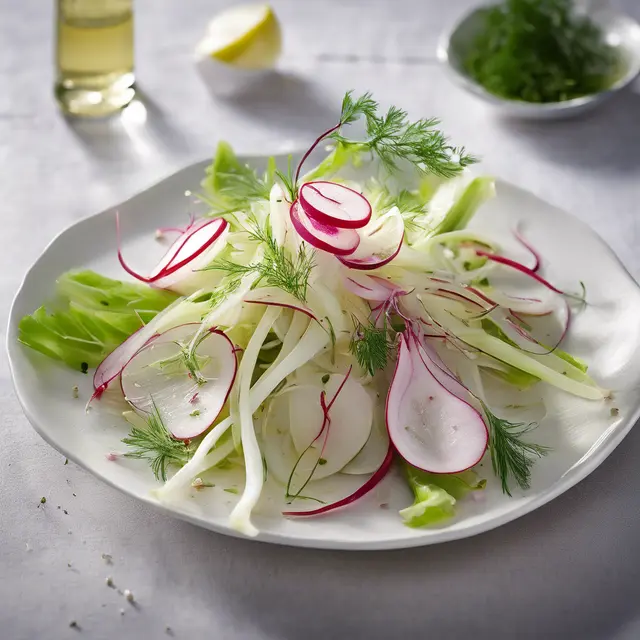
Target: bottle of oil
[94, 56]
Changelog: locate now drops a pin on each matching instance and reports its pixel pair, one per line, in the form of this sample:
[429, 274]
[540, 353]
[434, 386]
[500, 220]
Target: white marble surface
[569, 570]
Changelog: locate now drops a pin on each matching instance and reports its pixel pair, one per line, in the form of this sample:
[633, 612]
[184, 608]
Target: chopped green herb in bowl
[540, 51]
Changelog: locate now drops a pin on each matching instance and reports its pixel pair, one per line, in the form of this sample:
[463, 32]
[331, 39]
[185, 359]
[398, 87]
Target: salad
[327, 321]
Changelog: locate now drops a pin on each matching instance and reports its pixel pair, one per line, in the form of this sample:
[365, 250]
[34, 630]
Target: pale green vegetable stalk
[240, 518]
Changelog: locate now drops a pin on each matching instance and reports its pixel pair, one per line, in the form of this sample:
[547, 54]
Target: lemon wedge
[246, 36]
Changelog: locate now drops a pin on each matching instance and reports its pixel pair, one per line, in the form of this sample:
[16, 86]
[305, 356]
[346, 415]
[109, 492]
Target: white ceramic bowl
[621, 31]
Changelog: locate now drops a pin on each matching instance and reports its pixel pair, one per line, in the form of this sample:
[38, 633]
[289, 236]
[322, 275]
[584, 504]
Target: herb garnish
[278, 268]
[371, 346]
[540, 51]
[157, 445]
[230, 185]
[511, 457]
[394, 139]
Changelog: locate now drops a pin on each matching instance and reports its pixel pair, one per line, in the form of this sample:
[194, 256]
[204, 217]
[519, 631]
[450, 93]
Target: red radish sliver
[370, 484]
[340, 242]
[189, 250]
[536, 256]
[325, 430]
[380, 242]
[350, 416]
[508, 262]
[273, 296]
[157, 375]
[174, 249]
[371, 287]
[430, 427]
[333, 204]
[522, 334]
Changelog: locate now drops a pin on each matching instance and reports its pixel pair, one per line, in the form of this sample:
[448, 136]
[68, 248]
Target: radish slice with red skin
[111, 367]
[273, 296]
[340, 242]
[168, 258]
[184, 275]
[184, 253]
[333, 204]
[430, 427]
[370, 484]
[351, 417]
[157, 375]
[440, 372]
[380, 242]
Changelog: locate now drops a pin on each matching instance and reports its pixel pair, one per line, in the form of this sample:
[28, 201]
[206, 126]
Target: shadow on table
[137, 132]
[526, 579]
[606, 139]
[285, 102]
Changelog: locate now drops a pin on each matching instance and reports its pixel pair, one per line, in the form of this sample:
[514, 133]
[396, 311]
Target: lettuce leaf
[230, 185]
[436, 495]
[340, 156]
[90, 317]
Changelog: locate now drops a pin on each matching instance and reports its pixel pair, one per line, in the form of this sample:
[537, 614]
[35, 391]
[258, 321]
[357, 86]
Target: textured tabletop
[569, 570]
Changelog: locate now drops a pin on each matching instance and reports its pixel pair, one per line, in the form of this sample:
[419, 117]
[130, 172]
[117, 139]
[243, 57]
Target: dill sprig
[395, 139]
[370, 345]
[288, 180]
[278, 267]
[410, 204]
[155, 444]
[511, 457]
[540, 51]
[223, 291]
[230, 185]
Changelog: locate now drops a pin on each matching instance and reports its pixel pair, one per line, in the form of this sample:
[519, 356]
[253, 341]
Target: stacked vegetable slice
[337, 219]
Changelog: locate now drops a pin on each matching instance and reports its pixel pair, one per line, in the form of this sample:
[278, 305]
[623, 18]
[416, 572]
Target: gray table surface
[569, 570]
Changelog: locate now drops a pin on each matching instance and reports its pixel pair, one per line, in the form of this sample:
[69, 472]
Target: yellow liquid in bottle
[94, 55]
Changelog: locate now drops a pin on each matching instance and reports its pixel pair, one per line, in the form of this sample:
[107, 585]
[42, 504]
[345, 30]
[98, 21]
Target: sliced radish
[335, 205]
[273, 296]
[438, 369]
[370, 287]
[175, 247]
[117, 360]
[370, 484]
[340, 242]
[114, 363]
[193, 250]
[380, 242]
[351, 416]
[430, 427]
[157, 375]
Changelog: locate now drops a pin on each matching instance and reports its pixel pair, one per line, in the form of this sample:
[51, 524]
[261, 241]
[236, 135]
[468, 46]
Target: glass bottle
[94, 56]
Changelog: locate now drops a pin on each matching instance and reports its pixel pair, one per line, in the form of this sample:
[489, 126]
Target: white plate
[581, 433]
